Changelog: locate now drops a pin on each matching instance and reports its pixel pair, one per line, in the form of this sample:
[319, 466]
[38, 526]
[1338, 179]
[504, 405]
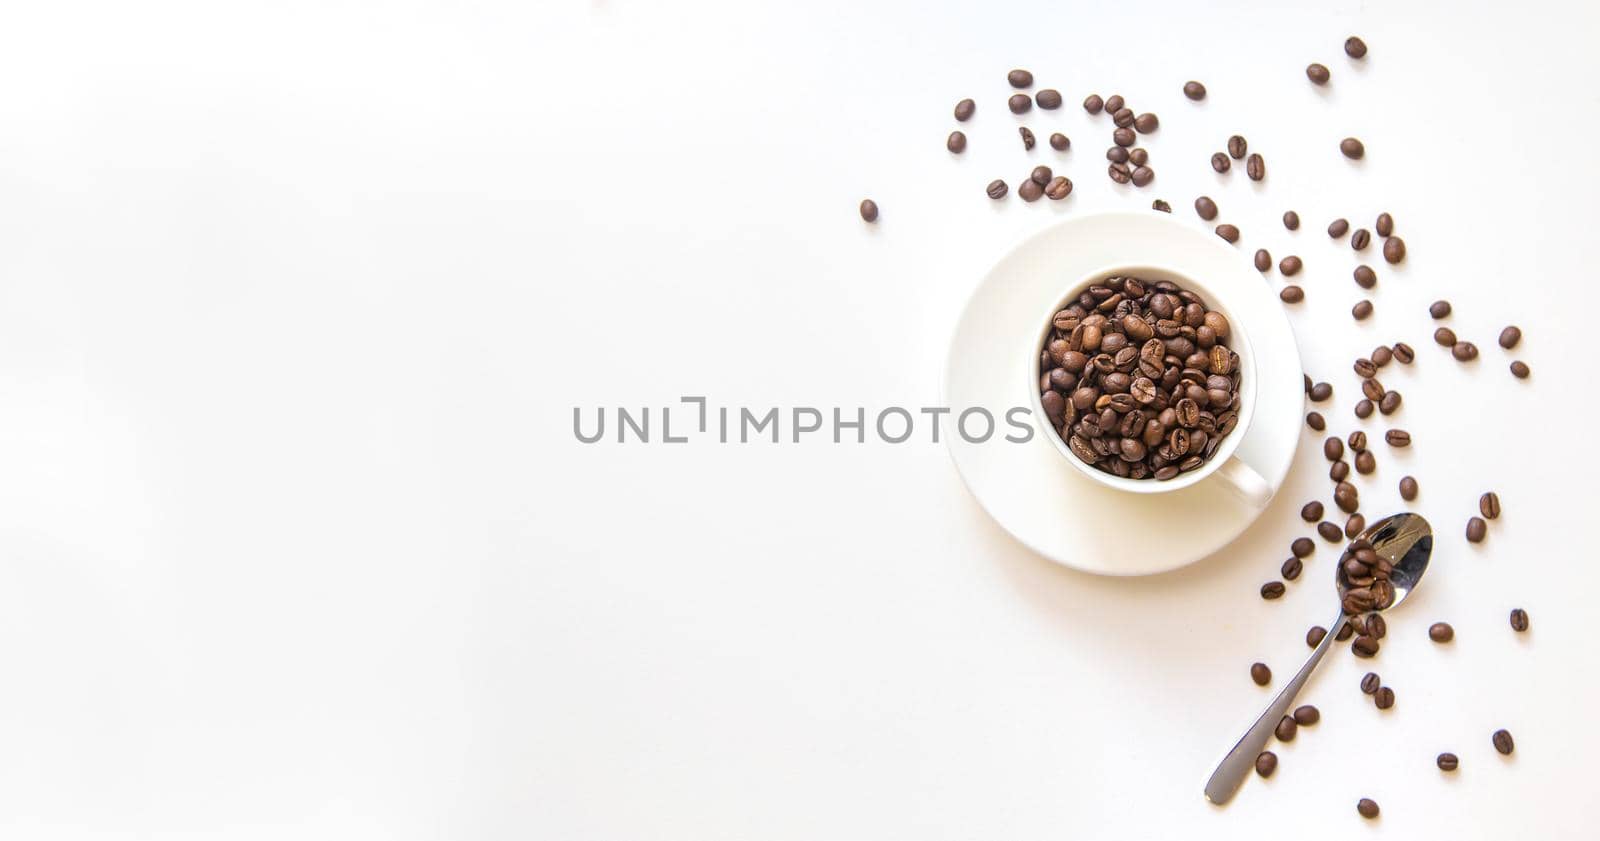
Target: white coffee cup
[1230, 471]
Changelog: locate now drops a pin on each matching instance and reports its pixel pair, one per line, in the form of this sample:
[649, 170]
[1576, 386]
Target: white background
[296, 541]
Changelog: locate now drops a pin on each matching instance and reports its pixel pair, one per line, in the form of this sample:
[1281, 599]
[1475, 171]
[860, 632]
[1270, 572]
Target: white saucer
[1030, 489]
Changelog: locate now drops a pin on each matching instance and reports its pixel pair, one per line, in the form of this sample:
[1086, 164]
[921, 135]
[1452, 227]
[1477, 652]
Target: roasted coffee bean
[1441, 632]
[1321, 392]
[1346, 630]
[1114, 103]
[1394, 249]
[1048, 99]
[1143, 175]
[1237, 146]
[1447, 762]
[1370, 682]
[1364, 646]
[1464, 351]
[1332, 448]
[1291, 294]
[1439, 309]
[1385, 225]
[1302, 547]
[1361, 310]
[1316, 635]
[1408, 488]
[1020, 103]
[1390, 402]
[1355, 525]
[1375, 626]
[1363, 408]
[1366, 462]
[1093, 103]
[1371, 387]
[1357, 440]
[1060, 142]
[997, 189]
[1477, 529]
[1355, 47]
[1367, 808]
[1228, 232]
[1519, 620]
[1404, 353]
[1318, 74]
[1354, 150]
[1286, 729]
[1119, 173]
[1027, 137]
[869, 210]
[1263, 260]
[1384, 698]
[1381, 355]
[1117, 155]
[1338, 228]
[1161, 205]
[1397, 438]
[1444, 337]
[964, 110]
[1519, 369]
[1502, 742]
[1365, 368]
[1346, 497]
[1266, 763]
[1509, 337]
[1206, 208]
[1365, 277]
[1291, 568]
[1340, 471]
[1330, 531]
[1316, 421]
[1029, 190]
[1020, 79]
[1306, 715]
[956, 142]
[1290, 266]
[1220, 162]
[1489, 506]
[1260, 674]
[1291, 220]
[1361, 239]
[1122, 118]
[1194, 90]
[1058, 188]
[1255, 167]
[1146, 123]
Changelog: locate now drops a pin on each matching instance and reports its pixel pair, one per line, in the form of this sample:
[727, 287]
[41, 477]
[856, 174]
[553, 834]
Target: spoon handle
[1242, 759]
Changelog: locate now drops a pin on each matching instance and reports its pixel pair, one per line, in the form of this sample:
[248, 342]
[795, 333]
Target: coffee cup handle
[1246, 483]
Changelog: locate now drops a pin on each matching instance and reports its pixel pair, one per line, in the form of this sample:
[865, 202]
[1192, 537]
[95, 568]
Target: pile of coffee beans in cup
[1137, 378]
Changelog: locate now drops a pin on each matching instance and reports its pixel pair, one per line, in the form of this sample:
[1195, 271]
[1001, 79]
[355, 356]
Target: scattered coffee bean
[1444, 337]
[1114, 103]
[1355, 47]
[1321, 392]
[1366, 462]
[1093, 103]
[1441, 632]
[956, 142]
[1020, 79]
[1143, 175]
[1206, 208]
[1194, 90]
[1318, 74]
[1041, 175]
[1306, 715]
[1316, 635]
[1161, 205]
[869, 210]
[1340, 471]
[1509, 337]
[1020, 103]
[1519, 369]
[1361, 310]
[1266, 763]
[1363, 408]
[1385, 225]
[1237, 146]
[1117, 155]
[1357, 524]
[1338, 227]
[1291, 568]
[1330, 531]
[964, 110]
[1059, 188]
[1394, 249]
[1447, 762]
[1048, 99]
[1123, 137]
[1439, 309]
[1502, 742]
[1302, 547]
[1255, 167]
[1146, 123]
[1404, 353]
[1374, 624]
[1291, 220]
[1027, 137]
[1357, 440]
[1220, 162]
[1381, 356]
[1286, 729]
[1316, 421]
[1372, 388]
[1477, 529]
[1029, 190]
[1228, 232]
[1333, 448]
[1367, 808]
[1354, 150]
[1384, 698]
[1364, 646]
[1390, 402]
[1370, 683]
[1397, 438]
[1365, 368]
[1519, 620]
[1346, 630]
[1290, 266]
[1360, 239]
[996, 189]
[1346, 497]
[1291, 294]
[1408, 488]
[1060, 142]
[1365, 277]
[1464, 351]
[1489, 506]
[1263, 260]
[1260, 674]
